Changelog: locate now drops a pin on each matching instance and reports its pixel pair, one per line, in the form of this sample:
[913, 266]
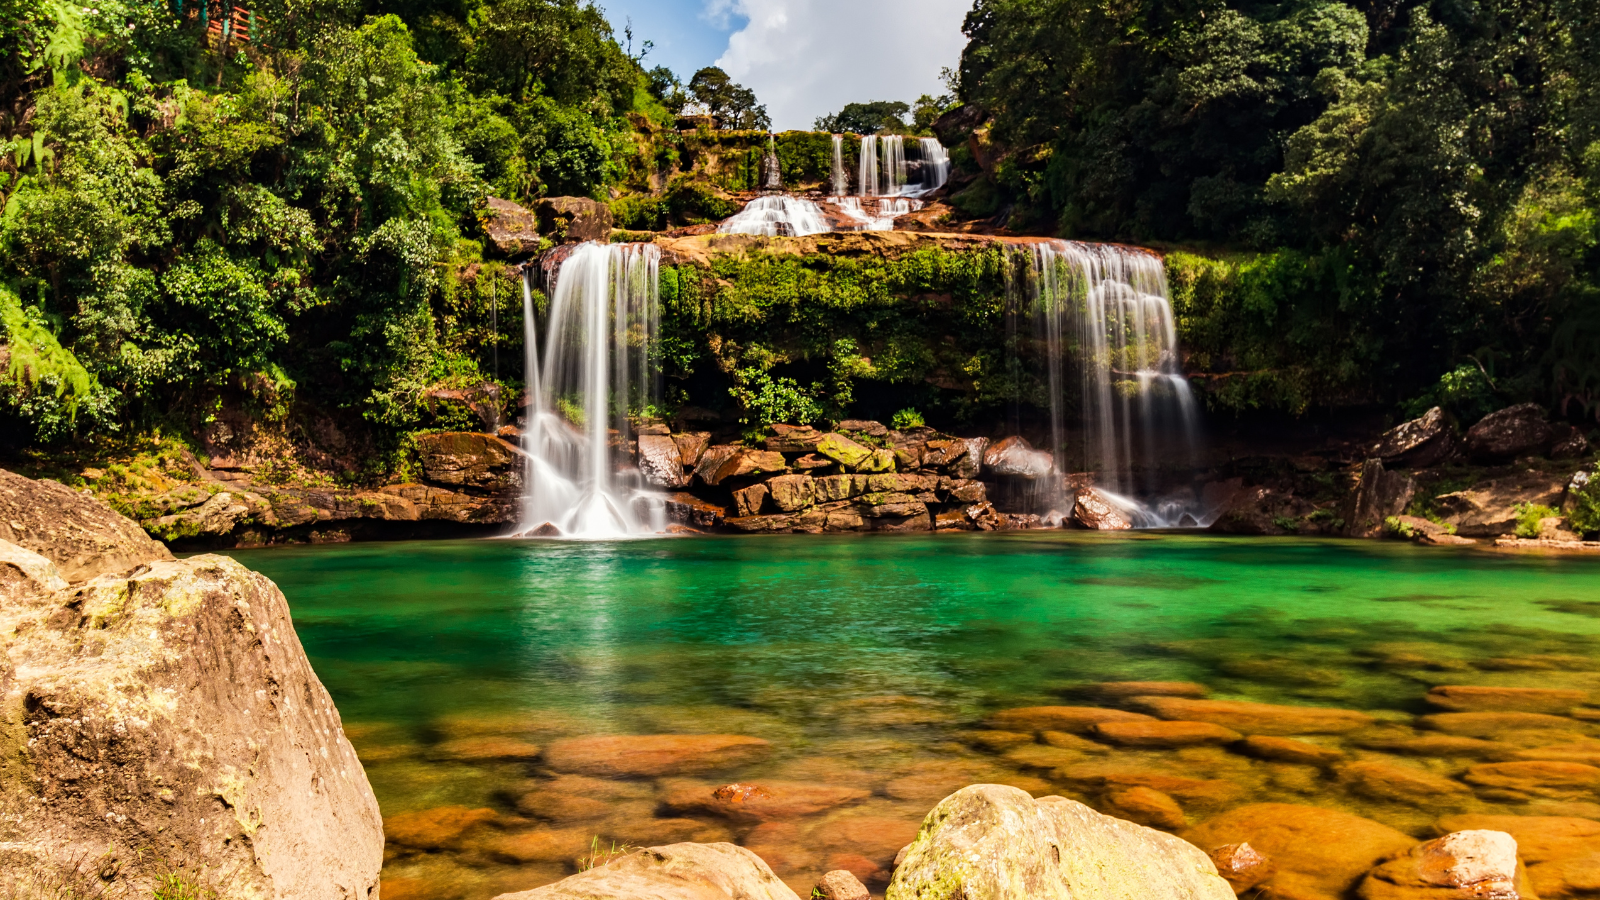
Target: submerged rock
[1242, 866]
[650, 755]
[1164, 734]
[760, 802]
[1320, 854]
[1072, 719]
[674, 872]
[157, 703]
[1471, 698]
[1258, 718]
[997, 843]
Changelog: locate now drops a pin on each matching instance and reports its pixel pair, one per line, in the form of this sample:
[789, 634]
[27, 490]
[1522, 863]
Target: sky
[803, 58]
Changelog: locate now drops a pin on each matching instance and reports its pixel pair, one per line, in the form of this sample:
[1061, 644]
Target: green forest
[1379, 204]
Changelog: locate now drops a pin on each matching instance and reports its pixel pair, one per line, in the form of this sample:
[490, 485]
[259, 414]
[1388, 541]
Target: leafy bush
[766, 400]
[906, 418]
[1528, 517]
[1584, 496]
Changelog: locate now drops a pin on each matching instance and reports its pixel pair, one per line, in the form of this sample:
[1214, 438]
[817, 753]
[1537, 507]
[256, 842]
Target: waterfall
[935, 164]
[1107, 306]
[892, 151]
[840, 187]
[771, 172]
[596, 369]
[777, 215]
[867, 167]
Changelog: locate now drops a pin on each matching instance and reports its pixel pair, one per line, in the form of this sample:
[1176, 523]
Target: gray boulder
[673, 872]
[511, 228]
[1509, 433]
[992, 842]
[1380, 494]
[1421, 442]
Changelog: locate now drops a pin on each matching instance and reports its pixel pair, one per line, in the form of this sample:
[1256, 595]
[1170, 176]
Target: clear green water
[870, 662]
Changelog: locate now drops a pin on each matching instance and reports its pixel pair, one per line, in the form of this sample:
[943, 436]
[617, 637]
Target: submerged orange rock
[653, 754]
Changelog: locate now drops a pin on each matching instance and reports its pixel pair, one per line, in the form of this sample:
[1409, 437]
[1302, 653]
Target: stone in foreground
[992, 842]
[168, 704]
[840, 884]
[673, 872]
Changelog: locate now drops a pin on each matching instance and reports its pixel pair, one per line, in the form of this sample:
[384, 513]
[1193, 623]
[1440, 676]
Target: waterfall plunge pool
[869, 666]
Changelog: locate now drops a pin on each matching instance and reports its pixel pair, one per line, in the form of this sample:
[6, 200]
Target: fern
[35, 354]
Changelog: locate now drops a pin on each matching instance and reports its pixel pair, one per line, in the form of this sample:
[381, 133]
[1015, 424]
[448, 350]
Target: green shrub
[1528, 516]
[906, 418]
[767, 400]
[1584, 493]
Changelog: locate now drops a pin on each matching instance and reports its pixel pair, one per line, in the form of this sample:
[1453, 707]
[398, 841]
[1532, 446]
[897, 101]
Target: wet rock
[1492, 724]
[1146, 806]
[543, 845]
[1465, 698]
[691, 446]
[792, 493]
[1538, 778]
[970, 465]
[842, 450]
[562, 807]
[996, 842]
[661, 462]
[1073, 719]
[1398, 783]
[1289, 750]
[941, 454]
[1417, 444]
[1094, 510]
[165, 704]
[876, 838]
[922, 521]
[469, 460]
[512, 229]
[1559, 851]
[1320, 854]
[488, 747]
[1509, 433]
[1164, 734]
[1489, 508]
[691, 510]
[1479, 864]
[711, 462]
[571, 220]
[1015, 457]
[1379, 495]
[748, 501]
[1262, 511]
[81, 536]
[672, 872]
[652, 755]
[1241, 866]
[840, 884]
[1586, 752]
[760, 802]
[1258, 718]
[963, 490]
[439, 828]
[1126, 689]
[751, 462]
[1114, 775]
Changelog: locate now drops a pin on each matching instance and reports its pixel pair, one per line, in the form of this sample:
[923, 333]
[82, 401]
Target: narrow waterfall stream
[1103, 310]
[594, 371]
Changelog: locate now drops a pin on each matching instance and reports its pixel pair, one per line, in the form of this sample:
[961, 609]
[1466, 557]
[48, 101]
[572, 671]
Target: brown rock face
[792, 493]
[711, 462]
[1071, 719]
[1016, 458]
[652, 755]
[570, 220]
[1164, 734]
[513, 230]
[691, 444]
[1258, 718]
[1320, 854]
[751, 462]
[470, 460]
[1489, 508]
[673, 872]
[1509, 433]
[1242, 866]
[172, 707]
[80, 535]
[661, 462]
[1416, 444]
[1463, 698]
[748, 501]
[1094, 510]
[1380, 494]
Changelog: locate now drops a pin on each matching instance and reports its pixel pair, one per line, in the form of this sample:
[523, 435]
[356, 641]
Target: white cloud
[808, 58]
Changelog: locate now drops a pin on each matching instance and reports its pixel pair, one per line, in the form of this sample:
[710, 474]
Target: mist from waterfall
[777, 215]
[1105, 309]
[594, 370]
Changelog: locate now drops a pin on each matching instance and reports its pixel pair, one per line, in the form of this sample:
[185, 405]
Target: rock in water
[1461, 864]
[1015, 457]
[661, 462]
[674, 872]
[840, 884]
[1094, 510]
[168, 704]
[995, 842]
[1320, 854]
[1380, 494]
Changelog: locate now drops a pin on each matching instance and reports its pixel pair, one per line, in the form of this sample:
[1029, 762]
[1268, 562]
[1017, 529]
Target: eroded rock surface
[80, 535]
[998, 843]
[156, 703]
[717, 871]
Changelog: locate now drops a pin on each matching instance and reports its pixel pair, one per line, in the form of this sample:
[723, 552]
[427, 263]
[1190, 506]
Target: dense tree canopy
[1425, 172]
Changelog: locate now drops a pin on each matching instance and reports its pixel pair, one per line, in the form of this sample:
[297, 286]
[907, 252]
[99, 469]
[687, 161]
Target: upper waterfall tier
[778, 215]
[883, 168]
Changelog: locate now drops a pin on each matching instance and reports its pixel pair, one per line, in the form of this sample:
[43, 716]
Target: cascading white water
[778, 215]
[867, 167]
[1138, 411]
[771, 171]
[879, 218]
[840, 186]
[892, 156]
[595, 369]
[935, 164]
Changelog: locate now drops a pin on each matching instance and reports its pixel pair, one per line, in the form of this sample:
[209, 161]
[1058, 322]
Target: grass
[598, 856]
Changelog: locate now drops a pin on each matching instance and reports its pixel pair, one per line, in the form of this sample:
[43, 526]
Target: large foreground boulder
[160, 717]
[674, 872]
[995, 842]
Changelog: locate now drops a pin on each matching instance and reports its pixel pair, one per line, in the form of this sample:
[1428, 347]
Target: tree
[867, 118]
[734, 105]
